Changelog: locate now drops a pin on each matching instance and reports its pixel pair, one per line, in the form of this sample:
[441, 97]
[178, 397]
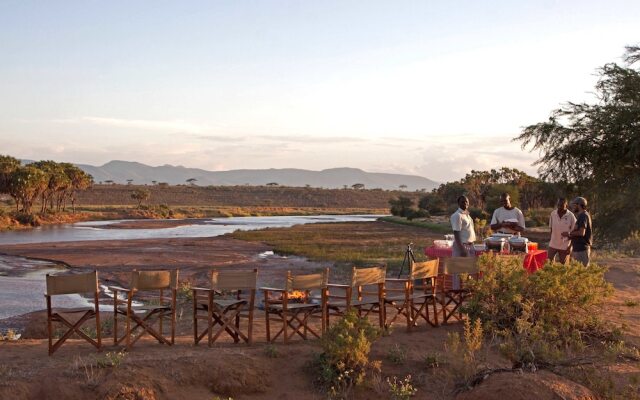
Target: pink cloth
[533, 261]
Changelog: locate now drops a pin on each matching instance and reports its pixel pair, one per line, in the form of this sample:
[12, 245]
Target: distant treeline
[483, 188]
[242, 196]
[50, 182]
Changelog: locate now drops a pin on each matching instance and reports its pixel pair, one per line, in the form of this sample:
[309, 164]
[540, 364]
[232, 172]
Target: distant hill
[121, 171]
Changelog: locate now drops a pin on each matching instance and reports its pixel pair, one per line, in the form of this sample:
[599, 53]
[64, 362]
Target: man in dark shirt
[581, 235]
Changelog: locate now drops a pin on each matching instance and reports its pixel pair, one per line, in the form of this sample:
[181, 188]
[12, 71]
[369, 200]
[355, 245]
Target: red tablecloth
[533, 260]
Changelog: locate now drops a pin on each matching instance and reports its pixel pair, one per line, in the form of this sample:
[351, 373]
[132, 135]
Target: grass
[432, 226]
[359, 244]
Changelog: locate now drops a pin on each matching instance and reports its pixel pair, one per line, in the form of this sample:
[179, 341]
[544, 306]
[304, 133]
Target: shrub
[343, 363]
[464, 360]
[397, 354]
[111, 359]
[538, 315]
[401, 389]
[631, 245]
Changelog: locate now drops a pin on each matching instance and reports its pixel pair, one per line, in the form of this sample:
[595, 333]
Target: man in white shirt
[507, 219]
[561, 220]
[464, 233]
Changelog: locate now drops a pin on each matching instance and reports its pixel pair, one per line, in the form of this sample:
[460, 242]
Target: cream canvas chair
[453, 284]
[157, 290]
[293, 317]
[364, 293]
[230, 299]
[412, 300]
[72, 284]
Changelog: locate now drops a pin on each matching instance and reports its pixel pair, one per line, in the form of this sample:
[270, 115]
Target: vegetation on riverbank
[345, 244]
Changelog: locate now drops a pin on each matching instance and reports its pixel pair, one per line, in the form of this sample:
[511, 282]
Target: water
[94, 230]
[23, 291]
[22, 281]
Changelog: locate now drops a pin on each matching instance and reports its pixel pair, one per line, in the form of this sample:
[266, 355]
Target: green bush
[538, 315]
[343, 363]
[631, 245]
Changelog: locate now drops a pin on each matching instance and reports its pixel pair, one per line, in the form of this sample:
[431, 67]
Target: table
[533, 260]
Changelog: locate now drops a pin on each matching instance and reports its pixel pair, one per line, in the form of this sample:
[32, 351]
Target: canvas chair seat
[226, 313]
[359, 295]
[413, 302]
[72, 284]
[295, 306]
[414, 296]
[355, 302]
[146, 318]
[293, 317]
[60, 310]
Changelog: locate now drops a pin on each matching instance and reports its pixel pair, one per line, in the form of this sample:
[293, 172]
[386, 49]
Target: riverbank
[11, 221]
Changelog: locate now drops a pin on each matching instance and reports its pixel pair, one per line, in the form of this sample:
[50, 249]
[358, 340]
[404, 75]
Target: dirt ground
[259, 371]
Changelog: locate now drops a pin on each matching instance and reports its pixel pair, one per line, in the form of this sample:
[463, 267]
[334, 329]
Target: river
[22, 281]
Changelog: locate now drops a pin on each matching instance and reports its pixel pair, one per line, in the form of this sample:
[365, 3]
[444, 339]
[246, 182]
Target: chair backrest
[424, 269]
[234, 279]
[308, 281]
[70, 284]
[460, 265]
[152, 280]
[368, 276]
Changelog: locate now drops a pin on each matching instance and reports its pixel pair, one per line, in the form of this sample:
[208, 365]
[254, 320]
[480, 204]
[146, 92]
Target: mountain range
[123, 171]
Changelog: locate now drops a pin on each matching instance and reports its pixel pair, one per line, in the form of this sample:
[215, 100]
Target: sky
[431, 88]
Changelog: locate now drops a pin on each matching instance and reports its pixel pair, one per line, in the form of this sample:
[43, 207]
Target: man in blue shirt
[581, 235]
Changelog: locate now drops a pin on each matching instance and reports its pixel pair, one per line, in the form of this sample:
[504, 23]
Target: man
[507, 219]
[463, 232]
[581, 234]
[560, 221]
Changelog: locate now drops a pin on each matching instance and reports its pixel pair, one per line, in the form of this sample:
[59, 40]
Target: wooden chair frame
[362, 280]
[413, 300]
[222, 314]
[296, 316]
[453, 284]
[146, 281]
[73, 284]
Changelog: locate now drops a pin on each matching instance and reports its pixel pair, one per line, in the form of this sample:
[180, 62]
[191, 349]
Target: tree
[191, 181]
[358, 186]
[27, 183]
[8, 165]
[141, 195]
[402, 206]
[129, 181]
[597, 147]
[272, 184]
[402, 187]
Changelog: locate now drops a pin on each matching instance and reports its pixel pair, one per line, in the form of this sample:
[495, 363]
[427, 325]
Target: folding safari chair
[453, 285]
[295, 314]
[157, 291]
[73, 284]
[364, 293]
[412, 300]
[223, 309]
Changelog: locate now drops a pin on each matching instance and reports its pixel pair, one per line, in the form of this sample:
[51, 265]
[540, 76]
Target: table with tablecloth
[533, 260]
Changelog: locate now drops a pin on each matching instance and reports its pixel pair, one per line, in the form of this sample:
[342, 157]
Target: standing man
[581, 234]
[463, 232]
[507, 219]
[561, 221]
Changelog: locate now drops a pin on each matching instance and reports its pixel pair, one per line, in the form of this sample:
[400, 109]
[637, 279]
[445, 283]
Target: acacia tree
[27, 183]
[140, 195]
[597, 147]
[8, 165]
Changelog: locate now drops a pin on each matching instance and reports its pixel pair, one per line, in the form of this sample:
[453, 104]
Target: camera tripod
[408, 258]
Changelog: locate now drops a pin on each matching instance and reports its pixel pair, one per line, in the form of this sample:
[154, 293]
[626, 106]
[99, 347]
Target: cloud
[144, 124]
[312, 139]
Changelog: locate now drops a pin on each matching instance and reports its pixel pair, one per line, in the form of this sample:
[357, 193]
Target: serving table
[533, 260]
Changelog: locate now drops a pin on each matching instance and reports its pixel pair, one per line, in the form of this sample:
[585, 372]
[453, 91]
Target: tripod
[408, 258]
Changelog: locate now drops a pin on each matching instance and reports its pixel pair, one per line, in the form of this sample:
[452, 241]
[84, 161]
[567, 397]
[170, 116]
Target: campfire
[296, 296]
